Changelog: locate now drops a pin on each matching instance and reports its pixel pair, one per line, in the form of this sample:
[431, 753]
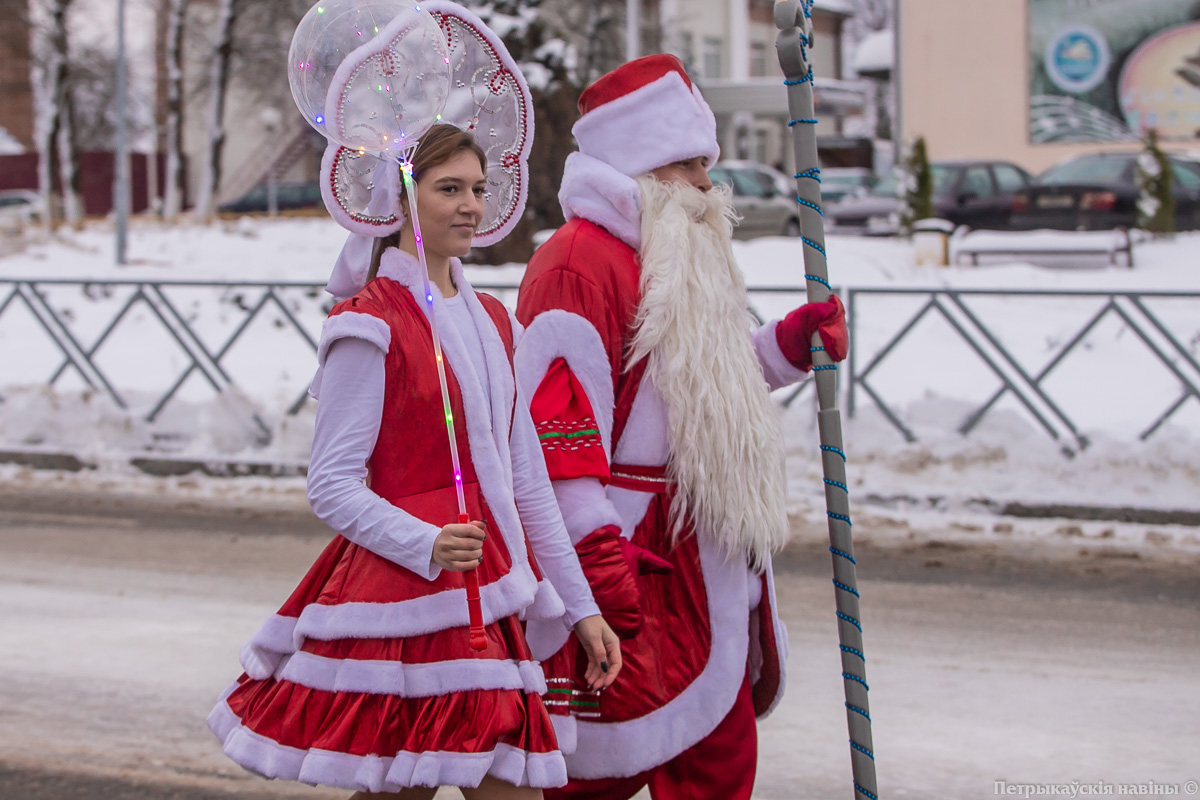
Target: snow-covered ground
[1112, 387]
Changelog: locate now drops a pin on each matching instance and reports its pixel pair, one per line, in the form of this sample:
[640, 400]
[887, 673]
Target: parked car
[290, 196]
[1099, 192]
[978, 194]
[759, 196]
[21, 205]
[838, 183]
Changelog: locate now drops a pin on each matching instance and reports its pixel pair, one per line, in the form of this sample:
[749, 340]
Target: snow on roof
[875, 53]
[836, 6]
[9, 146]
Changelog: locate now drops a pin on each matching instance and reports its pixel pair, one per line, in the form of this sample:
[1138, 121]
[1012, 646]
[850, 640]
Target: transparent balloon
[371, 75]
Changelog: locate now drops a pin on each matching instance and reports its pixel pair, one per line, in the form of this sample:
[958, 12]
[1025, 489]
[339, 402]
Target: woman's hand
[459, 547]
[603, 651]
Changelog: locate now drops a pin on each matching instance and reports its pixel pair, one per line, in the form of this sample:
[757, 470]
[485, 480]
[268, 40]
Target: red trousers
[721, 766]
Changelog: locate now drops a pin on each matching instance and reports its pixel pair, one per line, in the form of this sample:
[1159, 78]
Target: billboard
[1108, 70]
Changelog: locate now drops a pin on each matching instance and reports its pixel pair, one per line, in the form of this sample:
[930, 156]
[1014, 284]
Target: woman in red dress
[365, 678]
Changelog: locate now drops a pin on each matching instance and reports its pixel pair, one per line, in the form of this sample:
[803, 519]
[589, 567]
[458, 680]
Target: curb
[156, 466]
[168, 467]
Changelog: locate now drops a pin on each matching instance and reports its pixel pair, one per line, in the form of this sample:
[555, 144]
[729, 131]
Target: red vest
[411, 466]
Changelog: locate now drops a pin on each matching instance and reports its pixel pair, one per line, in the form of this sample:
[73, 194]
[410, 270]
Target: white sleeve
[778, 371]
[542, 521]
[348, 419]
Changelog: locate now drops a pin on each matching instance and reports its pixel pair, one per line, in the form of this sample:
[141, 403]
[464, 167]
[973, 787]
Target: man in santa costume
[650, 394]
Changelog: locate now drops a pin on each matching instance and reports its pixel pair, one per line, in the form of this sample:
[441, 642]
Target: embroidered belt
[638, 478]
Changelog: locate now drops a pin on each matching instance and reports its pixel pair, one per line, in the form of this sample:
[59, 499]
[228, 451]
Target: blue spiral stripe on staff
[846, 588]
[820, 280]
[858, 711]
[829, 449]
[842, 554]
[863, 791]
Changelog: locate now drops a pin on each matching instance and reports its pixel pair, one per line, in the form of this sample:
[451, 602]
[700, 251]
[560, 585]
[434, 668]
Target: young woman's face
[450, 204]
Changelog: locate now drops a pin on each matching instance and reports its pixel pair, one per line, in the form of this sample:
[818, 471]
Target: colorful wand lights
[471, 579]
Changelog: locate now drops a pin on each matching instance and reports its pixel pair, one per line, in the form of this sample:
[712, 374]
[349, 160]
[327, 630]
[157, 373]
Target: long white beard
[726, 450]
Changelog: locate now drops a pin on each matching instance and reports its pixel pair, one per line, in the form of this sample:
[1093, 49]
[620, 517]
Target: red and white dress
[365, 679]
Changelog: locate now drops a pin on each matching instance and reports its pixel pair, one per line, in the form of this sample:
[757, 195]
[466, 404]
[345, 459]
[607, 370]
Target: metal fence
[295, 310]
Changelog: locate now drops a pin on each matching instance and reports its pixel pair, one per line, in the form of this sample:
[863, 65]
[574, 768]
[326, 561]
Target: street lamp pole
[633, 22]
[121, 156]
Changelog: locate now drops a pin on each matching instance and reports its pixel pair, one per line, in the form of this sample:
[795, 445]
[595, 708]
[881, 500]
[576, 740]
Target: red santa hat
[646, 114]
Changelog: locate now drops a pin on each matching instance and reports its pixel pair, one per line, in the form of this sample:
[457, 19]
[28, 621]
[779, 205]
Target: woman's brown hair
[439, 144]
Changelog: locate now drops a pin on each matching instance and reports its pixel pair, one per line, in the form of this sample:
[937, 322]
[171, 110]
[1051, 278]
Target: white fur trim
[558, 334]
[644, 441]
[410, 680]
[603, 195]
[781, 642]
[631, 505]
[270, 759]
[262, 653]
[778, 371]
[350, 324]
[489, 445]
[501, 598]
[656, 124]
[622, 749]
[565, 731]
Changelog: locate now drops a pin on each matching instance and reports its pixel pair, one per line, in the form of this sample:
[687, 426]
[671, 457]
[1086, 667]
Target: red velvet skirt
[383, 714]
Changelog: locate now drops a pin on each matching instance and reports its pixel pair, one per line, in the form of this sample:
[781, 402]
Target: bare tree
[228, 12]
[176, 11]
[54, 127]
[870, 16]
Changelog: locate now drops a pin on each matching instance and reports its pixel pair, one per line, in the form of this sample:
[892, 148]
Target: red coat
[699, 632]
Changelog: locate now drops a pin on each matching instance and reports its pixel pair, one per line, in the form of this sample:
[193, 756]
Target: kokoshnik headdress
[373, 76]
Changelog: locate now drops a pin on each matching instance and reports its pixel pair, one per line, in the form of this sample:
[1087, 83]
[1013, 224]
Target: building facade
[1037, 81]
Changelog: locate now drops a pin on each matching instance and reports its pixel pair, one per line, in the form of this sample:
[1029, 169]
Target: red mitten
[795, 331]
[611, 575]
[643, 562]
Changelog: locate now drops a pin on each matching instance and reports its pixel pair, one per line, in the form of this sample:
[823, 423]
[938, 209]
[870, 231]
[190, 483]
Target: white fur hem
[420, 615]
[558, 334]
[622, 749]
[778, 371]
[270, 759]
[410, 680]
[350, 324]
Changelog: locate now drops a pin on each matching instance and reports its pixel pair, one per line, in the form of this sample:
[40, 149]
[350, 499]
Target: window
[748, 184]
[1009, 179]
[712, 57]
[976, 181]
[1186, 179]
[687, 44]
[758, 59]
[1090, 170]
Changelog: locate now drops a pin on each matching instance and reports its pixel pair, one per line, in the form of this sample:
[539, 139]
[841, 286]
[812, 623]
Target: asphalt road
[121, 618]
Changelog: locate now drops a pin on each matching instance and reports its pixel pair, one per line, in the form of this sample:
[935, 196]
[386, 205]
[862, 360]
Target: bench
[1121, 243]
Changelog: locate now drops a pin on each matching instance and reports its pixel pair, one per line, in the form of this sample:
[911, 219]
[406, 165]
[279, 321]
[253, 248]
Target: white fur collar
[602, 194]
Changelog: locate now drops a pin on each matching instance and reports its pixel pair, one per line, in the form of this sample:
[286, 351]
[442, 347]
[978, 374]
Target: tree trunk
[206, 200]
[69, 164]
[174, 201]
[51, 68]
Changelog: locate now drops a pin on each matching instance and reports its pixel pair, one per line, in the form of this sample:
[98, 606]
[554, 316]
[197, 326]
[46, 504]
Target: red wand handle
[474, 608]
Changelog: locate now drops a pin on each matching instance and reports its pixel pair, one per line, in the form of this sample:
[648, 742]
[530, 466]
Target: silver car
[761, 197]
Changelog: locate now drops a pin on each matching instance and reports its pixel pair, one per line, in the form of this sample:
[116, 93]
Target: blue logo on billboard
[1077, 59]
